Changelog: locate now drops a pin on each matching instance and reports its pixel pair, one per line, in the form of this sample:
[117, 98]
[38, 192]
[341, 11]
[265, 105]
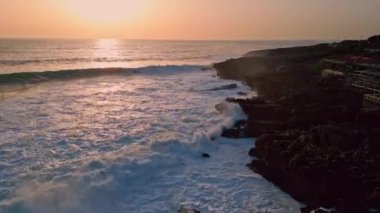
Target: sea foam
[130, 144]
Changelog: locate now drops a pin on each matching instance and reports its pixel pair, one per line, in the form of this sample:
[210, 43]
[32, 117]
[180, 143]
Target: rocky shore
[314, 138]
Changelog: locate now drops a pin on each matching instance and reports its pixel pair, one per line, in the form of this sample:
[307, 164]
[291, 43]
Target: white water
[128, 143]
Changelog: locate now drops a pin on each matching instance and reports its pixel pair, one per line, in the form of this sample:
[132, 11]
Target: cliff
[275, 73]
[314, 138]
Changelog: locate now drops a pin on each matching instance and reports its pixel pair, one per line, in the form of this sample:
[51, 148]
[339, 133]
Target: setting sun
[103, 11]
[189, 20]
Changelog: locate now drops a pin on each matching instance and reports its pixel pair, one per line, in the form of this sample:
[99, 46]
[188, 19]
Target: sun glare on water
[106, 11]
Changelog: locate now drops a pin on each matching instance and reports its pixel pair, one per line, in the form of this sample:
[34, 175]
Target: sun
[106, 11]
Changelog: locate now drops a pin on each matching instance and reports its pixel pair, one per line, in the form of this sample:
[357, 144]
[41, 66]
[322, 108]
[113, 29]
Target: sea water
[131, 141]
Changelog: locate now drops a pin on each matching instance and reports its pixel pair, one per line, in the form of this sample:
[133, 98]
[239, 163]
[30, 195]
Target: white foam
[130, 144]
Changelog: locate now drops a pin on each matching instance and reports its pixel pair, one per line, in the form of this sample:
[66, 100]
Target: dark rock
[320, 153]
[317, 210]
[306, 209]
[242, 93]
[235, 132]
[320, 210]
[205, 155]
[232, 133]
[317, 166]
[252, 151]
[315, 140]
[185, 210]
[225, 87]
[250, 165]
[374, 40]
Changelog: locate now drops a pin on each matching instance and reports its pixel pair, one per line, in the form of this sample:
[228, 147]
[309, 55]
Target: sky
[190, 19]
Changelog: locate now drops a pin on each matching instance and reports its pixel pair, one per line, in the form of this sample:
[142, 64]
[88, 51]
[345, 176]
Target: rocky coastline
[314, 137]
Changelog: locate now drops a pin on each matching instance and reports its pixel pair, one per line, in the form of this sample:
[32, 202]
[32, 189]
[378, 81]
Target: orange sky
[190, 19]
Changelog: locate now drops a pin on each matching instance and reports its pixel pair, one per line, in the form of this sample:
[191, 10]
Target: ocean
[121, 126]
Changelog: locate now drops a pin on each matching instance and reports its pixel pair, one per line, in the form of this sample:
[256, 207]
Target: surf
[126, 143]
[38, 77]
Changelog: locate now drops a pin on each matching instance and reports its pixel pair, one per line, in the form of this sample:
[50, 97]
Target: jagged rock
[318, 145]
[315, 140]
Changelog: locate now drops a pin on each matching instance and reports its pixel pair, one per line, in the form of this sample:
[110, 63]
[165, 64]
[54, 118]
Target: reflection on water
[43, 55]
[106, 51]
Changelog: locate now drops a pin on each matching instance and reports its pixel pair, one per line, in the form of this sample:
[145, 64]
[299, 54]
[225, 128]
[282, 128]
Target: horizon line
[165, 39]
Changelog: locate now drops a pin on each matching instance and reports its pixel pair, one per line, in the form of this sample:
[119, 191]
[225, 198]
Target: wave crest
[36, 77]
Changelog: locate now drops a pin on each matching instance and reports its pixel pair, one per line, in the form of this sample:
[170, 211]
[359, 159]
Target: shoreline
[315, 139]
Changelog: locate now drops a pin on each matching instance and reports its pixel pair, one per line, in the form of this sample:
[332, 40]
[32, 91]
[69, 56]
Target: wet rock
[237, 131]
[320, 146]
[252, 151]
[306, 209]
[323, 165]
[320, 210]
[186, 210]
[232, 133]
[315, 140]
[205, 155]
[225, 87]
[317, 210]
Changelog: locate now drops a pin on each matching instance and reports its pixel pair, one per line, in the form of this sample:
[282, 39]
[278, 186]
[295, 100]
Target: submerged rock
[225, 87]
[205, 155]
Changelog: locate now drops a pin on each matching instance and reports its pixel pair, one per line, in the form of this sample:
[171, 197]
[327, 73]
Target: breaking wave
[36, 77]
[92, 60]
[132, 144]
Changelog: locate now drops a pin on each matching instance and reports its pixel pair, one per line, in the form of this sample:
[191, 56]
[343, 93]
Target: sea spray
[130, 143]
